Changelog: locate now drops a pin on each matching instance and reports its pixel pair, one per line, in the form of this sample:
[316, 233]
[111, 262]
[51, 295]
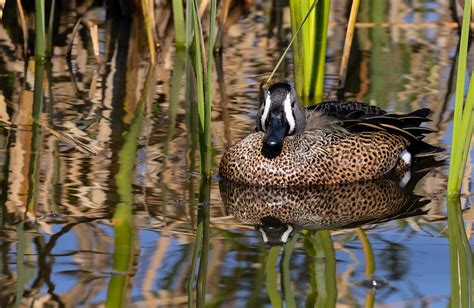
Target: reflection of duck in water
[278, 212]
[333, 142]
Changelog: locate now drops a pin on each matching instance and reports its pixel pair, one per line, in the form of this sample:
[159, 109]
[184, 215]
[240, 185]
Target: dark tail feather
[407, 126]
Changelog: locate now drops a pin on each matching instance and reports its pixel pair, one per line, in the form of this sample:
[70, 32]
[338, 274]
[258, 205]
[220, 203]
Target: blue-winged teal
[332, 142]
[278, 211]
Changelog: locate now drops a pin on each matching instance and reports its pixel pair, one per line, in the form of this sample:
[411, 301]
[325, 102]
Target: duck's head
[280, 115]
[274, 232]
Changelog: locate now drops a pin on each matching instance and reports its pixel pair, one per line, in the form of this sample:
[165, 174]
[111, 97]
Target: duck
[330, 143]
[278, 212]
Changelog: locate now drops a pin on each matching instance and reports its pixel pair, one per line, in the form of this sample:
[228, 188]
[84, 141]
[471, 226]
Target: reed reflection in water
[67, 253]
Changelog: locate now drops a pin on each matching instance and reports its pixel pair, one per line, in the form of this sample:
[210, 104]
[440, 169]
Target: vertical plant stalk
[348, 42]
[368, 253]
[309, 49]
[203, 70]
[295, 9]
[179, 24]
[149, 26]
[460, 257]
[286, 272]
[204, 218]
[294, 42]
[317, 74]
[270, 270]
[208, 94]
[463, 117]
[369, 265]
[124, 239]
[40, 36]
[24, 29]
[201, 249]
[49, 38]
[319, 246]
[36, 136]
[325, 270]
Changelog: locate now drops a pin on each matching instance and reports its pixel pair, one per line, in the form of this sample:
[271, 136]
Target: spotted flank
[333, 142]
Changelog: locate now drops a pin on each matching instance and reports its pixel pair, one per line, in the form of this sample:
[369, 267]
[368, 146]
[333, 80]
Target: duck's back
[343, 142]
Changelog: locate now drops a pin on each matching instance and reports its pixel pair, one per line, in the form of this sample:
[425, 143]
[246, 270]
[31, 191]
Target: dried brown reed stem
[348, 42]
[24, 29]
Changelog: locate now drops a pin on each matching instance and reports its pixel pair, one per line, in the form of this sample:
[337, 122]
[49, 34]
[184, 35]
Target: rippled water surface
[127, 226]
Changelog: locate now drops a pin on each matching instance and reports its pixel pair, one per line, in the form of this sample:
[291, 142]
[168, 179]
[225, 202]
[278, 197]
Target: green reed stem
[203, 70]
[49, 39]
[124, 239]
[196, 254]
[270, 269]
[309, 49]
[297, 24]
[368, 253]
[316, 85]
[38, 99]
[325, 270]
[20, 263]
[460, 256]
[149, 24]
[463, 115]
[210, 60]
[189, 24]
[179, 23]
[204, 218]
[40, 37]
[286, 272]
[319, 246]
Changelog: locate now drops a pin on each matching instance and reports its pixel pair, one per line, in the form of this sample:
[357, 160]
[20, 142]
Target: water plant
[309, 48]
[463, 123]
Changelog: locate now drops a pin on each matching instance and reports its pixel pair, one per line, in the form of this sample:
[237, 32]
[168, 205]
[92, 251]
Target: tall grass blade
[204, 218]
[208, 94]
[40, 36]
[293, 42]
[24, 29]
[286, 272]
[36, 134]
[463, 113]
[270, 270]
[203, 71]
[179, 24]
[316, 83]
[309, 48]
[460, 257]
[348, 42]
[49, 38]
[124, 229]
[319, 246]
[149, 26]
[368, 253]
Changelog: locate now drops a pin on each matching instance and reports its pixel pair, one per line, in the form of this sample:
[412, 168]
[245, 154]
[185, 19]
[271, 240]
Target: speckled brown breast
[321, 207]
[314, 158]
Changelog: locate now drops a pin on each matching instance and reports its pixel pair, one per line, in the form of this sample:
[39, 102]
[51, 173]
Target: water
[70, 254]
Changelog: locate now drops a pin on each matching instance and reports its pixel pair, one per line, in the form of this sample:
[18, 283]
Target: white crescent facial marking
[266, 110]
[264, 235]
[289, 114]
[286, 234]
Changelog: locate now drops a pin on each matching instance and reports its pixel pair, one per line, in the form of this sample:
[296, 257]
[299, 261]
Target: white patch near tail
[406, 178]
[406, 157]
